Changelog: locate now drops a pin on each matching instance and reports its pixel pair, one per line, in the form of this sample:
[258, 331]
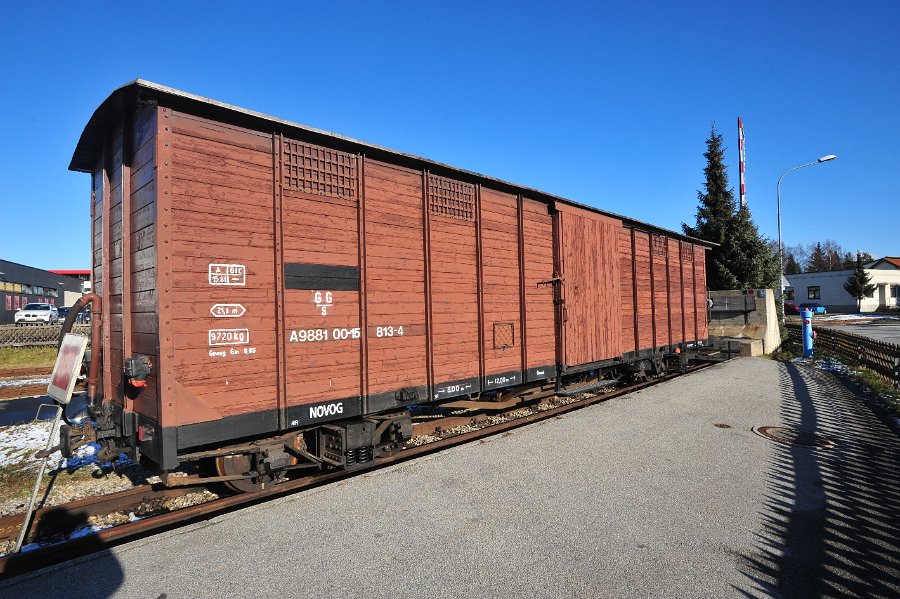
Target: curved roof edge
[91, 141]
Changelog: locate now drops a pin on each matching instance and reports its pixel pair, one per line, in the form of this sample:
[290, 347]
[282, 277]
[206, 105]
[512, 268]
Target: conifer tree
[818, 260]
[859, 283]
[717, 205]
[791, 265]
[848, 261]
[743, 258]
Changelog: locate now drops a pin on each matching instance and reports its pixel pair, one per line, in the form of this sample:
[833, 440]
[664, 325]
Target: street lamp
[827, 158]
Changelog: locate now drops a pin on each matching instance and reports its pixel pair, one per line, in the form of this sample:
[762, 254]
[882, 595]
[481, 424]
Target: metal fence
[878, 356]
[37, 335]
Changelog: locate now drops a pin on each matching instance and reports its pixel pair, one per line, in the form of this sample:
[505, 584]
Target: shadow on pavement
[98, 577]
[830, 523]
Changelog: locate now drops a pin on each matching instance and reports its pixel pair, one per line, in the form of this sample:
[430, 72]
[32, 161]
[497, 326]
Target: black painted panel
[321, 276]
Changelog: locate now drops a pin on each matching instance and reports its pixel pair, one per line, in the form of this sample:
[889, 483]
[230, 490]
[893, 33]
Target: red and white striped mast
[743, 161]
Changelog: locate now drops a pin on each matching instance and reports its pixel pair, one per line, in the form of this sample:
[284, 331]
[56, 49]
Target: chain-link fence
[36, 335]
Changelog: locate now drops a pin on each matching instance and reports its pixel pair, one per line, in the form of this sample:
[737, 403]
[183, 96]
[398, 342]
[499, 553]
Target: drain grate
[792, 436]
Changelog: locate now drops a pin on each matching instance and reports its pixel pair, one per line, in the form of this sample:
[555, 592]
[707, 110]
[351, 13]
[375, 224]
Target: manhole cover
[721, 425]
[792, 436]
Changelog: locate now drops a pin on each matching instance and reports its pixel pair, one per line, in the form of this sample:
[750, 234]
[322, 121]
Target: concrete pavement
[640, 496]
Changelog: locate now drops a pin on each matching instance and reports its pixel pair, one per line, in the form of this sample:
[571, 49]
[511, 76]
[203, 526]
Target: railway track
[58, 522]
[23, 391]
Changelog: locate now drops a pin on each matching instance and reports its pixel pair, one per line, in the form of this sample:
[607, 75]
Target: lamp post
[827, 158]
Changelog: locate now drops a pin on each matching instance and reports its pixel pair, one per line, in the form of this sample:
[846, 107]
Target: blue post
[807, 333]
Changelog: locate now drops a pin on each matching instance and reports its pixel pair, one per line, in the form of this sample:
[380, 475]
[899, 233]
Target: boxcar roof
[109, 113]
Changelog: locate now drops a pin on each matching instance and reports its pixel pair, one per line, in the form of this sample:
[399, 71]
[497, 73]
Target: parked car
[84, 316]
[37, 314]
[814, 308]
[791, 309]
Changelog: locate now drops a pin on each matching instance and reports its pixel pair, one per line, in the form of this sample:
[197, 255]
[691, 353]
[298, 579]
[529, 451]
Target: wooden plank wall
[222, 213]
[658, 249]
[500, 280]
[395, 272]
[591, 272]
[113, 297]
[320, 229]
[537, 226]
[626, 289]
[700, 286]
[645, 297]
[142, 293]
[687, 278]
[454, 291]
[675, 290]
[99, 236]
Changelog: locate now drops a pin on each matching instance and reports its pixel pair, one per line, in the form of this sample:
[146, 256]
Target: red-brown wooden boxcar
[273, 277]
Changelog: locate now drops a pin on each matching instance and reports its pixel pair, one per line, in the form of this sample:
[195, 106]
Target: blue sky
[607, 104]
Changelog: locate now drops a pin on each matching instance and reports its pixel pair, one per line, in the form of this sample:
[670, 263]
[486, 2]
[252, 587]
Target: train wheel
[231, 465]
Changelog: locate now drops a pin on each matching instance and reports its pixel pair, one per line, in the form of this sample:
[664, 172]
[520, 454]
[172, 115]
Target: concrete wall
[761, 323]
[836, 299]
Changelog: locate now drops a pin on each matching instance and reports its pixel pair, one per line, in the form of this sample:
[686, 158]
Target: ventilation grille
[450, 198]
[660, 245]
[503, 335]
[687, 252]
[317, 170]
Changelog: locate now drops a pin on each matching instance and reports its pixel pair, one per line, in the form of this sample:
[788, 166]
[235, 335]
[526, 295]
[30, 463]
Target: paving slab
[640, 496]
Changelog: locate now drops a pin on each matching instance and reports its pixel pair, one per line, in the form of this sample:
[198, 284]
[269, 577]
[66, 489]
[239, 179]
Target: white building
[827, 288]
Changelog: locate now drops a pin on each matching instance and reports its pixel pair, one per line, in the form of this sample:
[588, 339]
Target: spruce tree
[859, 283]
[743, 258]
[717, 205]
[818, 260]
[848, 261]
[791, 264]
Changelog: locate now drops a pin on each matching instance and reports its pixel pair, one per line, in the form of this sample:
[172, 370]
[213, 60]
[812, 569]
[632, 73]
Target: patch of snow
[7, 383]
[19, 443]
[133, 518]
[86, 530]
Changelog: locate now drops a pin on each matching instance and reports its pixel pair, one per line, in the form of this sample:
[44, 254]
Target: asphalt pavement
[640, 496]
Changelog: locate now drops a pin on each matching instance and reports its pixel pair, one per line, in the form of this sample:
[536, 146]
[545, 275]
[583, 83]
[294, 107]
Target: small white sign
[227, 310]
[67, 368]
[232, 275]
[229, 336]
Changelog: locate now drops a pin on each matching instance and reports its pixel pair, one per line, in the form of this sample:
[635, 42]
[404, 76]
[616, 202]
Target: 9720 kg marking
[229, 336]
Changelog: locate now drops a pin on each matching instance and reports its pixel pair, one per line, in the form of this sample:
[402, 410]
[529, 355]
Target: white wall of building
[836, 299]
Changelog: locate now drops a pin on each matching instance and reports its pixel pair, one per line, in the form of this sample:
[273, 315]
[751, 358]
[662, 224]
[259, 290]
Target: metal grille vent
[450, 198]
[317, 170]
[503, 335]
[660, 247]
[687, 252]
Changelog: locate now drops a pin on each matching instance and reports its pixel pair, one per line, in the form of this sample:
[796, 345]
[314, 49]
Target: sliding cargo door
[588, 256]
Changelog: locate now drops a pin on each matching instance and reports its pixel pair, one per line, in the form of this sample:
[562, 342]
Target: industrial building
[21, 285]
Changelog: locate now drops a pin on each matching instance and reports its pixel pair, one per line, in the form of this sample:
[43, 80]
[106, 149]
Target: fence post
[897, 371]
